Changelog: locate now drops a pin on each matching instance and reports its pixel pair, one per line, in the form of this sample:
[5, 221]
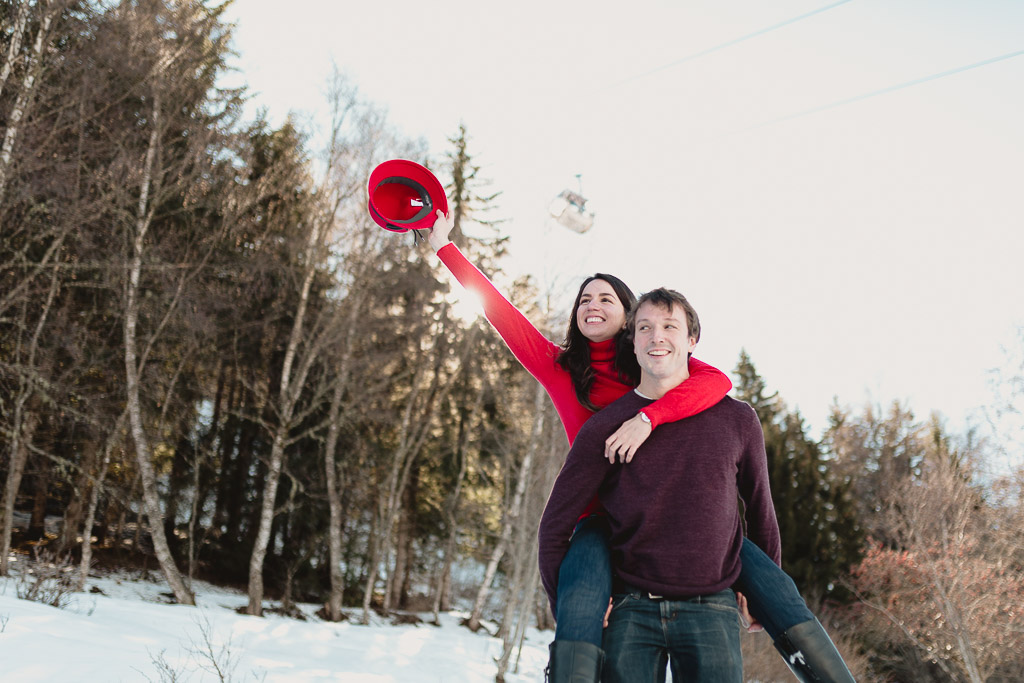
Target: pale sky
[869, 251]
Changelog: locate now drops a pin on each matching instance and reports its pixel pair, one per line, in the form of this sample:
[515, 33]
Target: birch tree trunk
[288, 395]
[441, 599]
[334, 493]
[511, 519]
[513, 641]
[23, 426]
[17, 33]
[411, 435]
[90, 520]
[24, 99]
[19, 455]
[94, 499]
[151, 499]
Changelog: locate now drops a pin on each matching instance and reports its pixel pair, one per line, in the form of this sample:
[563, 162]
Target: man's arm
[754, 489]
[576, 485]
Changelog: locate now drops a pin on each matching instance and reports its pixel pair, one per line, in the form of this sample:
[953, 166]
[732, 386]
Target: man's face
[661, 341]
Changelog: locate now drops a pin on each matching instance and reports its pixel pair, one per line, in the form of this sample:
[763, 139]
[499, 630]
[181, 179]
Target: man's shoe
[574, 661]
[811, 655]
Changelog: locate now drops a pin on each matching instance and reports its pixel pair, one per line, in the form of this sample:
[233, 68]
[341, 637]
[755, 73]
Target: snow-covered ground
[126, 631]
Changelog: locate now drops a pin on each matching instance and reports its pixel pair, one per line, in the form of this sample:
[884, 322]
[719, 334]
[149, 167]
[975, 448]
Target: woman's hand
[626, 439]
[748, 621]
[442, 228]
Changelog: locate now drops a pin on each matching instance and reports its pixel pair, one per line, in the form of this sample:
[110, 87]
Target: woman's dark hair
[575, 355]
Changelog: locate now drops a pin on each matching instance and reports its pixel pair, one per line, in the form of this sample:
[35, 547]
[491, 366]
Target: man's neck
[655, 388]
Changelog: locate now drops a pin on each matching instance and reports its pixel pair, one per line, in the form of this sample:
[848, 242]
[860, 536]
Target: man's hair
[666, 298]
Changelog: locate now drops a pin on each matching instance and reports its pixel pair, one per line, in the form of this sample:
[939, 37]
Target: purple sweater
[675, 519]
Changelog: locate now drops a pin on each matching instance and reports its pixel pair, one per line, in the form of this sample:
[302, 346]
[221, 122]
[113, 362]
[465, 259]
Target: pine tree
[817, 522]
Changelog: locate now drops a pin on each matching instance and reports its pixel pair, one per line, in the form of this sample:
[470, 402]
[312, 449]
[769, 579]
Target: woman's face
[600, 315]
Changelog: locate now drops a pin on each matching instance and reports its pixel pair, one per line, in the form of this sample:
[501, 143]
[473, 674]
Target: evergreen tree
[817, 521]
[464, 190]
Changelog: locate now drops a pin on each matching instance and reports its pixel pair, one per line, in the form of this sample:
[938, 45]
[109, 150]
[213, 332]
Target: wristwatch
[643, 416]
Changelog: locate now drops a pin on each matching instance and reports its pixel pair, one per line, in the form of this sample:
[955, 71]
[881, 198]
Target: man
[676, 526]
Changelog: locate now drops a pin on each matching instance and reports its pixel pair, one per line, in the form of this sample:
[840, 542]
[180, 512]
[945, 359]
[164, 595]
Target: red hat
[403, 196]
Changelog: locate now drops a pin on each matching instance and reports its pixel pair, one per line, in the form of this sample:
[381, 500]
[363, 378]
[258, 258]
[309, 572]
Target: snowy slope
[128, 633]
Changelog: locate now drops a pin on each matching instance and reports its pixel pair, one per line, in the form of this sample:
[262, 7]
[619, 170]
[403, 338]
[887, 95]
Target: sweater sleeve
[528, 345]
[754, 489]
[577, 483]
[706, 386]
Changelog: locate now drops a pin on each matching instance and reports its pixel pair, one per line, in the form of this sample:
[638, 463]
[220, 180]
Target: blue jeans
[584, 583]
[772, 597]
[698, 637]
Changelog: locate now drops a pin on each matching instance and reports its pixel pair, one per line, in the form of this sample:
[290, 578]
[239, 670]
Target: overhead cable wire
[730, 43]
[883, 91]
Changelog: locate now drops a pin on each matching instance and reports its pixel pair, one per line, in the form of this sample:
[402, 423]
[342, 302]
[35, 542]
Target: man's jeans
[584, 583]
[772, 597]
[698, 637]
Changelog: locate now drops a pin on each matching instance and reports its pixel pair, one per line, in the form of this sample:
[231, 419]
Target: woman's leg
[584, 588]
[773, 599]
[772, 596]
[584, 583]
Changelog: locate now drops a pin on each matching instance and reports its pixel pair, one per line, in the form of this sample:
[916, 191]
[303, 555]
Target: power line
[730, 43]
[891, 88]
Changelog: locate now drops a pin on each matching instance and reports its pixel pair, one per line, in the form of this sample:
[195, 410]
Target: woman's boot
[574, 661]
[811, 655]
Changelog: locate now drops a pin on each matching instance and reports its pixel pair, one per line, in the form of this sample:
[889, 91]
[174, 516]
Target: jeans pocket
[724, 601]
[622, 599]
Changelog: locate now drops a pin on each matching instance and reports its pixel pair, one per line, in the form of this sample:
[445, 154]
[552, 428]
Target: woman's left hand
[626, 439]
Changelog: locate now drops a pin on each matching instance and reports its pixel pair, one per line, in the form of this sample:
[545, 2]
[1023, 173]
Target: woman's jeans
[584, 583]
[772, 597]
[585, 586]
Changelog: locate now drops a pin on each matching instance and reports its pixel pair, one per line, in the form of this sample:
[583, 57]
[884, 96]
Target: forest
[214, 365]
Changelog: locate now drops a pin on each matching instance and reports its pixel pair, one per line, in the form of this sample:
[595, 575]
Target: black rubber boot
[811, 655]
[573, 661]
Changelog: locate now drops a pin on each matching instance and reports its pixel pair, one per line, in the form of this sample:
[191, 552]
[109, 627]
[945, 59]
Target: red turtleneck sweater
[705, 387]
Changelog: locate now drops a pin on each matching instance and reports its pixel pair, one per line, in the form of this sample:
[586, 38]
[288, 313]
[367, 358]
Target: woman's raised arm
[531, 348]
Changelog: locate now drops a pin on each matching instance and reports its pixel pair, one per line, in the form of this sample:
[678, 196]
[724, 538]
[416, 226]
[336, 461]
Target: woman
[582, 376]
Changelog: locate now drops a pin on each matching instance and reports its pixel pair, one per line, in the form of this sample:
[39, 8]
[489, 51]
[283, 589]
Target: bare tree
[950, 589]
[24, 419]
[429, 385]
[49, 11]
[351, 140]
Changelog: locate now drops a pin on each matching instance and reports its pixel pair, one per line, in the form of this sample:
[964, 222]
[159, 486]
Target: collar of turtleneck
[602, 352]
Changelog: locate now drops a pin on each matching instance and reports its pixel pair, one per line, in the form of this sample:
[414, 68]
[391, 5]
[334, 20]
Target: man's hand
[748, 621]
[443, 227]
[607, 612]
[626, 439]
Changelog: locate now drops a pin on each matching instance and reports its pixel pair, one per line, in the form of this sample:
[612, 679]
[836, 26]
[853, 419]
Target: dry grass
[763, 664]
